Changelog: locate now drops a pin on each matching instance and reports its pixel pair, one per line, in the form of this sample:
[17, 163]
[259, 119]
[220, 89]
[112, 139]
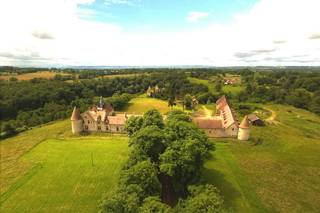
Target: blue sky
[160, 32]
[164, 14]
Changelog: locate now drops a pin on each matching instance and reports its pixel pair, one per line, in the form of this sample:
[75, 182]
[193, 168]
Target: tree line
[24, 104]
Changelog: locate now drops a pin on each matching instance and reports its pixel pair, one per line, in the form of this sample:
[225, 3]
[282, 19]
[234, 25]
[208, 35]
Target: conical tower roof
[75, 114]
[245, 123]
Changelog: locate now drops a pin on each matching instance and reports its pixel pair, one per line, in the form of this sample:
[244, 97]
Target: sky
[160, 32]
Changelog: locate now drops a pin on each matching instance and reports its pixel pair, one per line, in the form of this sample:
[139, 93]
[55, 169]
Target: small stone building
[153, 91]
[101, 118]
[255, 120]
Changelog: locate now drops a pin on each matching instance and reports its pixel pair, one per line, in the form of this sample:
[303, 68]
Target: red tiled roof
[208, 123]
[244, 123]
[117, 119]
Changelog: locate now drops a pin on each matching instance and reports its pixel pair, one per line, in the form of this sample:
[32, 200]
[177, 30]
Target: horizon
[145, 33]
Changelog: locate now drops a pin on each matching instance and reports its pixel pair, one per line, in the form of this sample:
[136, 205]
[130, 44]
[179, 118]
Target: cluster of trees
[300, 89]
[29, 103]
[293, 86]
[163, 170]
[24, 104]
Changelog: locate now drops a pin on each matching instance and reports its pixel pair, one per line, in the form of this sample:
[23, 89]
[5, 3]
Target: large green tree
[150, 141]
[202, 199]
[145, 175]
[154, 205]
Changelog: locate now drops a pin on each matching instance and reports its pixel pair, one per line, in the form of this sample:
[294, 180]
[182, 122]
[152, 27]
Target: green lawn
[280, 175]
[48, 170]
[60, 174]
[211, 86]
[224, 172]
[142, 104]
[234, 89]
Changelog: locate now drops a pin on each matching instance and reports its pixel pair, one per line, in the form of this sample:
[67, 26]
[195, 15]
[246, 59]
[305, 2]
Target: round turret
[76, 121]
[244, 130]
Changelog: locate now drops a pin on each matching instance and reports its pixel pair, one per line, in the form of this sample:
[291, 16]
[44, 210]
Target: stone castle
[224, 123]
[101, 118]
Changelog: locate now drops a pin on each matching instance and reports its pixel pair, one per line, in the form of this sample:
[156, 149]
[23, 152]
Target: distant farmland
[29, 76]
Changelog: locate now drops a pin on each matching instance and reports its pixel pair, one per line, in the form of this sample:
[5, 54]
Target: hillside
[280, 174]
[48, 169]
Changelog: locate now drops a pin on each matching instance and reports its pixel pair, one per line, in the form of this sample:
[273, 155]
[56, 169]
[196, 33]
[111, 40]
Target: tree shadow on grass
[227, 190]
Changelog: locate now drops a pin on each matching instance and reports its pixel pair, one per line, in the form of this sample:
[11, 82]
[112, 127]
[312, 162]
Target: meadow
[142, 103]
[281, 174]
[47, 169]
[59, 173]
[29, 76]
[237, 88]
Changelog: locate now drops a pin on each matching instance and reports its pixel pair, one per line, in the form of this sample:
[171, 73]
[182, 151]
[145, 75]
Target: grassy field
[125, 75]
[279, 175]
[142, 104]
[48, 170]
[211, 86]
[224, 172]
[61, 174]
[29, 76]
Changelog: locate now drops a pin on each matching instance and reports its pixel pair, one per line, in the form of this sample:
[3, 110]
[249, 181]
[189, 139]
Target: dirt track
[272, 118]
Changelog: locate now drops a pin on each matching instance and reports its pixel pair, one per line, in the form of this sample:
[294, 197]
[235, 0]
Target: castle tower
[76, 121]
[244, 129]
[101, 103]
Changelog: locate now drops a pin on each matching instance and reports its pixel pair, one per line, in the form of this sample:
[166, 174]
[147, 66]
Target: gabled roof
[226, 113]
[76, 114]
[245, 123]
[208, 123]
[117, 119]
[221, 102]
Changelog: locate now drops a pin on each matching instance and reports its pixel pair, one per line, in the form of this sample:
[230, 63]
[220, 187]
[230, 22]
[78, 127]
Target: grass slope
[224, 172]
[62, 174]
[282, 173]
[12, 149]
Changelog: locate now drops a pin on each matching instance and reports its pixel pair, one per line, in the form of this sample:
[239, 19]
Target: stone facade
[100, 118]
[244, 129]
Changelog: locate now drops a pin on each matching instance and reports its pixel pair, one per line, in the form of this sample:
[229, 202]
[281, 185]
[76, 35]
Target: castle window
[88, 122]
[117, 129]
[86, 127]
[99, 127]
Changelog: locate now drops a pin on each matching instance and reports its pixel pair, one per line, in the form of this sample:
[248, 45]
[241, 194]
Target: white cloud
[196, 16]
[271, 33]
[121, 2]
